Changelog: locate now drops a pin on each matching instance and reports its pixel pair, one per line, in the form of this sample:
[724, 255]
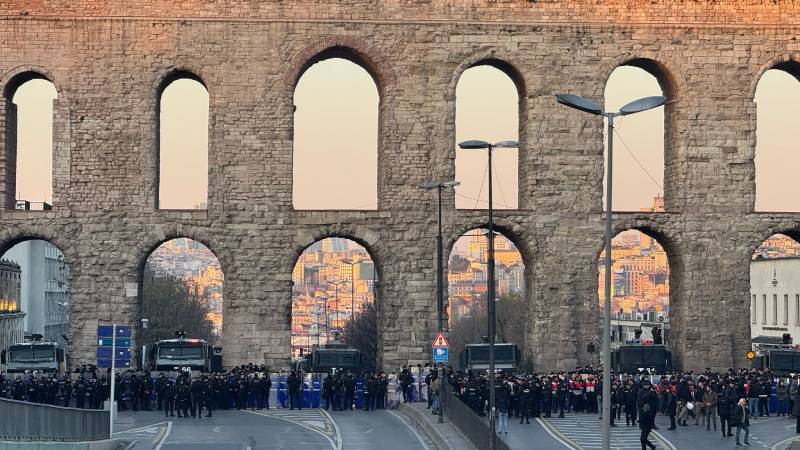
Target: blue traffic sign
[440, 354]
[107, 342]
[119, 363]
[123, 331]
[105, 353]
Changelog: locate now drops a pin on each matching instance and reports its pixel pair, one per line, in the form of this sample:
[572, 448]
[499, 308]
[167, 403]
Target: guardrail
[474, 427]
[24, 421]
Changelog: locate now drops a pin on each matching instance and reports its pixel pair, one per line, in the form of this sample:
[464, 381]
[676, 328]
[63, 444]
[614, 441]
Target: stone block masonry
[107, 60]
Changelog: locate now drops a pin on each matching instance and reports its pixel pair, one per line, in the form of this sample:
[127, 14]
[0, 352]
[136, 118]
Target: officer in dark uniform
[562, 389]
[18, 389]
[197, 388]
[147, 391]
[208, 396]
[80, 393]
[369, 386]
[526, 401]
[327, 391]
[66, 390]
[167, 396]
[182, 397]
[158, 388]
[256, 393]
[472, 395]
[241, 392]
[547, 397]
[536, 398]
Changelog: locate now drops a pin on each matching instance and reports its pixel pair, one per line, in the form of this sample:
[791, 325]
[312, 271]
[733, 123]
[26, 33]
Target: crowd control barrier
[24, 421]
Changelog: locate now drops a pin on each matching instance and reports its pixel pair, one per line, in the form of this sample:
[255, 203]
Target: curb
[422, 423]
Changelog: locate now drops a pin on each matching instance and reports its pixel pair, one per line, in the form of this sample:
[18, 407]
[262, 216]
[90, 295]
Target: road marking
[163, 438]
[413, 430]
[781, 445]
[550, 432]
[336, 430]
[138, 429]
[294, 420]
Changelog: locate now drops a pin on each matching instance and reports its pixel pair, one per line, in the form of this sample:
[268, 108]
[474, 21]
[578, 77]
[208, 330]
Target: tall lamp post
[490, 306]
[586, 105]
[336, 296]
[440, 186]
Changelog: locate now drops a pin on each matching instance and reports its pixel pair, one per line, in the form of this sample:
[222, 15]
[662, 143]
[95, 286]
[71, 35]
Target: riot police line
[190, 394]
[735, 397]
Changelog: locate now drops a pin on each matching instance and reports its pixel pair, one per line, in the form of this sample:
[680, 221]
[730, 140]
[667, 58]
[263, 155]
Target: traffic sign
[105, 353]
[107, 342]
[123, 331]
[440, 354]
[119, 363]
[440, 341]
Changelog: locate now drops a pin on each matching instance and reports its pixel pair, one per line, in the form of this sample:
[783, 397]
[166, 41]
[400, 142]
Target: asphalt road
[308, 429]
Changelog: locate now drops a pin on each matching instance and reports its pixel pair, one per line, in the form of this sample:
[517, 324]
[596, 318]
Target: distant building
[12, 320]
[775, 297]
[44, 288]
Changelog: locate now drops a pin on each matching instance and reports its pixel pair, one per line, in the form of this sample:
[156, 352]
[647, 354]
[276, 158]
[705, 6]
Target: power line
[639, 163]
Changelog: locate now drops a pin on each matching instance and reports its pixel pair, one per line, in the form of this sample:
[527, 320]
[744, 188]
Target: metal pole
[336, 294]
[112, 380]
[607, 289]
[440, 294]
[490, 309]
[352, 290]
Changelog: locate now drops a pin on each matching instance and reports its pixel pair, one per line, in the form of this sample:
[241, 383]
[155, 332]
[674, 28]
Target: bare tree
[171, 304]
[361, 333]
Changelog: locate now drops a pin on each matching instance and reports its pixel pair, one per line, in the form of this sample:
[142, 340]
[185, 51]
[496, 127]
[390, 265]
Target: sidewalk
[445, 436]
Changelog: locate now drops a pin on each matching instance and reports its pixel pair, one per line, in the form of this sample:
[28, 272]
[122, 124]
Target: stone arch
[11, 81]
[48, 302]
[789, 63]
[358, 52]
[506, 64]
[767, 157]
[376, 254]
[350, 48]
[670, 84]
[677, 308]
[161, 84]
[139, 253]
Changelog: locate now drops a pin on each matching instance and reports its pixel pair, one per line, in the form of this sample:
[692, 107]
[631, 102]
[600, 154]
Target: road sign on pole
[440, 348]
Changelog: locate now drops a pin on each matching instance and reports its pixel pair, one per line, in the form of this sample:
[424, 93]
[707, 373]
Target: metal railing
[474, 427]
[25, 421]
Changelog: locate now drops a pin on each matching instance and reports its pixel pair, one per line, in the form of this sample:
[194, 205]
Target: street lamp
[336, 296]
[480, 145]
[440, 186]
[586, 105]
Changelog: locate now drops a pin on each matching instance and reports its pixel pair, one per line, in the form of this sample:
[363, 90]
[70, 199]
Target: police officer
[327, 391]
[266, 384]
[167, 396]
[256, 394]
[80, 393]
[562, 389]
[526, 401]
[197, 388]
[208, 395]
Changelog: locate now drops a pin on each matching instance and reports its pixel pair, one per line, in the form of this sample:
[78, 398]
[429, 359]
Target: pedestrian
[710, 406]
[796, 411]
[782, 397]
[646, 425]
[503, 401]
[741, 418]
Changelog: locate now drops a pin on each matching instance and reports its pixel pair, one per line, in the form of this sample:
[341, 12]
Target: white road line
[781, 445]
[133, 430]
[547, 429]
[419, 438]
[163, 438]
[334, 446]
[335, 428]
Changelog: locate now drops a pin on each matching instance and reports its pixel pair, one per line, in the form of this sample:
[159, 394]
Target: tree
[171, 304]
[458, 263]
[361, 333]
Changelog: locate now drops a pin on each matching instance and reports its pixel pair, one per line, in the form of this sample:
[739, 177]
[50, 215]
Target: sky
[336, 139]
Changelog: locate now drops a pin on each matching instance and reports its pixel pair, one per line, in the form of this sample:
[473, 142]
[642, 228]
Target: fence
[476, 428]
[24, 421]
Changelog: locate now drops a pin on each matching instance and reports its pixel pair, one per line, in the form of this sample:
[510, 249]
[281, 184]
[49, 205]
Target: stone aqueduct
[107, 60]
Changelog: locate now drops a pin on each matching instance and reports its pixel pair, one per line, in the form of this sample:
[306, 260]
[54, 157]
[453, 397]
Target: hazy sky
[335, 146]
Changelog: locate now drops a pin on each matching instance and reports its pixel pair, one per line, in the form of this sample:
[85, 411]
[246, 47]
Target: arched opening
[335, 143]
[778, 102]
[639, 139]
[487, 109]
[182, 286]
[775, 290]
[467, 292]
[333, 297]
[183, 143]
[640, 288]
[29, 142]
[34, 294]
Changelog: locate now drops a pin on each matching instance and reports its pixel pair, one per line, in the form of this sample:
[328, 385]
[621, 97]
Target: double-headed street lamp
[440, 186]
[586, 105]
[480, 145]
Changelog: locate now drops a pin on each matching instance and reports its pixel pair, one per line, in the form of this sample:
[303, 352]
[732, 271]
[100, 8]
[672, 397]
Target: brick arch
[789, 63]
[790, 230]
[506, 63]
[351, 48]
[514, 232]
[17, 76]
[142, 250]
[10, 238]
[165, 78]
[659, 66]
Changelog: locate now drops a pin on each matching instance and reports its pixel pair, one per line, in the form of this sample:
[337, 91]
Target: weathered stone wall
[107, 70]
